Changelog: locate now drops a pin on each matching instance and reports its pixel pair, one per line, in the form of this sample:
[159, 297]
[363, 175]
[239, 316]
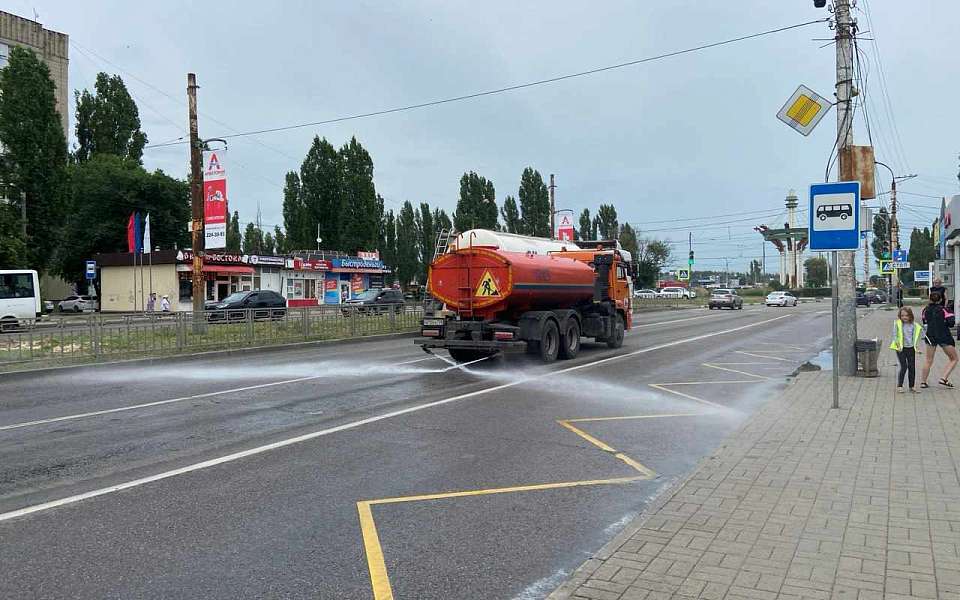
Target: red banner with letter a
[214, 199]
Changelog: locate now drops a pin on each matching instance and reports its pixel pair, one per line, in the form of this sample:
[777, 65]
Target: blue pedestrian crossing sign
[834, 216]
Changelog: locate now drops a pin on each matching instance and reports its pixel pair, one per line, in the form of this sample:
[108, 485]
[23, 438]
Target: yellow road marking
[587, 437]
[767, 357]
[647, 473]
[588, 419]
[661, 387]
[379, 579]
[714, 366]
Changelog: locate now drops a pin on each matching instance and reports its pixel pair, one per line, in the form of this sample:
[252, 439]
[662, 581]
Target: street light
[893, 232]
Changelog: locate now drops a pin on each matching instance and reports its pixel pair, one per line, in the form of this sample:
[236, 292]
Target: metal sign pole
[836, 304]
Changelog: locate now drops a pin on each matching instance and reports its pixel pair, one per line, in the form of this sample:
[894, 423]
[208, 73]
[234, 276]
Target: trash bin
[867, 353]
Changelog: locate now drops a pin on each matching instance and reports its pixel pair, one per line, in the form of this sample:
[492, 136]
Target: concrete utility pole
[553, 210]
[846, 271]
[196, 203]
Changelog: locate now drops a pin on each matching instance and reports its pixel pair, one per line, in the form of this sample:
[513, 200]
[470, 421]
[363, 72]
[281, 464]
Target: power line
[520, 86]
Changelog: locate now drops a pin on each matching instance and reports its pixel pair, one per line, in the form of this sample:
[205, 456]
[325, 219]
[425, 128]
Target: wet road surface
[368, 470]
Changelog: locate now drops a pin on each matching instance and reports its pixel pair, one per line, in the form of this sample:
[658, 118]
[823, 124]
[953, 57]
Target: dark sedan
[375, 302]
[261, 304]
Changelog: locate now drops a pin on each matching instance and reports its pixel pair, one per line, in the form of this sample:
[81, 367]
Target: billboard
[214, 199]
[565, 227]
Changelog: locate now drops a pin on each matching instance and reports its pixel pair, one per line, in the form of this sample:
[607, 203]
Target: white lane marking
[97, 413]
[347, 426]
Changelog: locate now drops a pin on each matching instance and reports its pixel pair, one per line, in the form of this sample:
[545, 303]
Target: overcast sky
[690, 136]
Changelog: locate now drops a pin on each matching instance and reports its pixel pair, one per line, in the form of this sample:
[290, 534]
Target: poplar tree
[534, 204]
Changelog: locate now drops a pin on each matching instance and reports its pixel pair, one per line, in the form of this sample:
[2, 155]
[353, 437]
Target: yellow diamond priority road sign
[804, 110]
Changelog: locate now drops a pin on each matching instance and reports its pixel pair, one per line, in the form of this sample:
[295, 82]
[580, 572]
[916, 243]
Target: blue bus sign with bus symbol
[834, 216]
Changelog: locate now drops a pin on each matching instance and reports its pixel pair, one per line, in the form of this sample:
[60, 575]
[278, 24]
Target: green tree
[510, 215]
[268, 243]
[108, 121]
[295, 219]
[881, 233]
[407, 247]
[816, 271]
[252, 239]
[587, 229]
[652, 255]
[280, 240]
[321, 196]
[534, 204]
[363, 209]
[606, 220]
[923, 251]
[441, 220]
[34, 162]
[628, 240]
[13, 248]
[233, 242]
[103, 192]
[426, 238]
[388, 244]
[477, 206]
[756, 269]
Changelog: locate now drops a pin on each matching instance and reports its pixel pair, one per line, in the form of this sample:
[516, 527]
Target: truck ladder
[430, 304]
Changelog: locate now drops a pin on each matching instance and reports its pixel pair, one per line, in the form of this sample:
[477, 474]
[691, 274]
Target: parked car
[781, 299]
[77, 304]
[265, 304]
[677, 292]
[725, 298]
[645, 294]
[375, 301]
[862, 299]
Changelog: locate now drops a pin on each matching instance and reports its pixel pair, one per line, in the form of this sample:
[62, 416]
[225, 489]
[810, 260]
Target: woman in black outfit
[937, 335]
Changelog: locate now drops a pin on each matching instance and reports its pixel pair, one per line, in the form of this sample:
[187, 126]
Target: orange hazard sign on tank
[487, 287]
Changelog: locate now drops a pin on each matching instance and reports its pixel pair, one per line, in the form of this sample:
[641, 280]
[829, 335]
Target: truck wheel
[549, 341]
[616, 340]
[570, 340]
[462, 355]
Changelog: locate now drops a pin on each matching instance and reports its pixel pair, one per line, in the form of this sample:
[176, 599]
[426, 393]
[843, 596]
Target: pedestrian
[899, 295]
[151, 302]
[165, 304]
[938, 288]
[906, 335]
[938, 335]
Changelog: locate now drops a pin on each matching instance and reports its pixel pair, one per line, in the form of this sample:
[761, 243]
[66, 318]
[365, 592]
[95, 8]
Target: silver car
[77, 304]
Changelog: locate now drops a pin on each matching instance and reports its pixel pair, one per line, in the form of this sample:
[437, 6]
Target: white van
[19, 298]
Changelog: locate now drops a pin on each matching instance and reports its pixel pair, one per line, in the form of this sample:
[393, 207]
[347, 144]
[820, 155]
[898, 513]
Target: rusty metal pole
[196, 203]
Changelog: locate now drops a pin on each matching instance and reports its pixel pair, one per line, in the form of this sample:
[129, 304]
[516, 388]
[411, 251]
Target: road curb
[149, 360]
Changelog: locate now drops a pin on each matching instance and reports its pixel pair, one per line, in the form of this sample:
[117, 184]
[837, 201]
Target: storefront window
[295, 288]
[256, 282]
[186, 289]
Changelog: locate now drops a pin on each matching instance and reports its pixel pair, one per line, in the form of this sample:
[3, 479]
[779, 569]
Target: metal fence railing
[104, 337]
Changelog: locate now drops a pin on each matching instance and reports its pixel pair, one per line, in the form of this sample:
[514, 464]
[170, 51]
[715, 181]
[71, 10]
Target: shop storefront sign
[375, 255]
[309, 264]
[212, 257]
[267, 261]
[357, 263]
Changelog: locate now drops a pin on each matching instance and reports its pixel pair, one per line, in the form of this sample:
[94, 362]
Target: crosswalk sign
[683, 274]
[887, 268]
[487, 288]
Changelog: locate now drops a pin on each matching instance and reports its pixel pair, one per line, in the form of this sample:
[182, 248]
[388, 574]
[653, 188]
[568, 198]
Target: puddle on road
[823, 361]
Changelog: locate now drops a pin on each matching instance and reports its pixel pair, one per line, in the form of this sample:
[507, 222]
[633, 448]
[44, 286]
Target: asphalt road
[368, 469]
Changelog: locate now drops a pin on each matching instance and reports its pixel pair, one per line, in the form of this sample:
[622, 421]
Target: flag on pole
[138, 233]
[146, 235]
[132, 233]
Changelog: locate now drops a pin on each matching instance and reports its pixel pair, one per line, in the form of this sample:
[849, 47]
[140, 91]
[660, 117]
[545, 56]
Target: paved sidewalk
[807, 502]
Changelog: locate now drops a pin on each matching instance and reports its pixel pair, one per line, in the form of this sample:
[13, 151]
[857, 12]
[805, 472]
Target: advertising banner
[356, 283]
[214, 199]
[565, 227]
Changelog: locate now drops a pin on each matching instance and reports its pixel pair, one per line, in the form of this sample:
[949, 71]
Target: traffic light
[819, 3]
[691, 257]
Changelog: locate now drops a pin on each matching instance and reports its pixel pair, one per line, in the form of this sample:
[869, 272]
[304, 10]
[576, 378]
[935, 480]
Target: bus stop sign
[834, 216]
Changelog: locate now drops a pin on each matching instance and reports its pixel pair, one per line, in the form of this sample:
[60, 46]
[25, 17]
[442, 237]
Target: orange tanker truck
[503, 291]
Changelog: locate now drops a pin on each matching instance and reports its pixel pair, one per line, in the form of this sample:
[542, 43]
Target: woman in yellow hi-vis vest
[906, 339]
